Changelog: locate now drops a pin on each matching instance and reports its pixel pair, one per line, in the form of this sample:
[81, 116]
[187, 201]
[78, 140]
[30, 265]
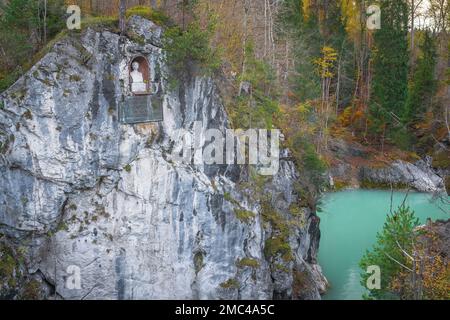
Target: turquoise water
[350, 221]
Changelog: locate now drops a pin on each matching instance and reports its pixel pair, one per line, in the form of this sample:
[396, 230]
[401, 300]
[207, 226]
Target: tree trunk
[265, 29]
[244, 40]
[413, 18]
[338, 86]
[45, 21]
[446, 117]
[122, 11]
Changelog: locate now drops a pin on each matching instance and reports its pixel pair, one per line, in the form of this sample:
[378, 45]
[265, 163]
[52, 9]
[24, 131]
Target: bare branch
[399, 263]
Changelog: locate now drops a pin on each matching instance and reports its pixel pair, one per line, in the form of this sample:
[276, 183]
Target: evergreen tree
[390, 67]
[336, 37]
[397, 237]
[307, 40]
[321, 26]
[422, 85]
[292, 16]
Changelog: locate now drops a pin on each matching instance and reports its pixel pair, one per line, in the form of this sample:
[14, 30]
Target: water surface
[350, 221]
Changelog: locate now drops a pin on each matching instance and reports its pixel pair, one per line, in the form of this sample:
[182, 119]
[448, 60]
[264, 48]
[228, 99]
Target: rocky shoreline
[419, 176]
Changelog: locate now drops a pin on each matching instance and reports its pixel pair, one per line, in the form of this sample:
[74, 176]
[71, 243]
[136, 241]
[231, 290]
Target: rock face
[419, 176]
[353, 167]
[82, 194]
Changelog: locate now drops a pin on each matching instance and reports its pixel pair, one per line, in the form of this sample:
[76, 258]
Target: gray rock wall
[78, 188]
[419, 176]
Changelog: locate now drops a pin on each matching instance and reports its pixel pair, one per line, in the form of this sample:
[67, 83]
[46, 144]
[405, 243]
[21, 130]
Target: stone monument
[137, 79]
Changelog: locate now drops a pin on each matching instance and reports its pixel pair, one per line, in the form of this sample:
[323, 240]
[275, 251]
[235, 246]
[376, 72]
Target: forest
[316, 70]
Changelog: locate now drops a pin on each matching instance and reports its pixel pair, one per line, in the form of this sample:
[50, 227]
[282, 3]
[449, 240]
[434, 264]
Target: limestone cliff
[79, 188]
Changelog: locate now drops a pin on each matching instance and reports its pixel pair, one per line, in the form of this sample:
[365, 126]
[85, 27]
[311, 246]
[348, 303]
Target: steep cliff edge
[81, 191]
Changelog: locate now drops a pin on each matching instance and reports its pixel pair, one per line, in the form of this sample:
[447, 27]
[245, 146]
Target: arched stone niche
[140, 76]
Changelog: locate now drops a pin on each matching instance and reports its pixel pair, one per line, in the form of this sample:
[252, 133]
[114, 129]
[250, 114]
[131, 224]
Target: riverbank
[354, 166]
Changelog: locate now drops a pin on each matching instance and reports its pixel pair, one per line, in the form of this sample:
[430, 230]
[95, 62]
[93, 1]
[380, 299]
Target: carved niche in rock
[143, 104]
[139, 76]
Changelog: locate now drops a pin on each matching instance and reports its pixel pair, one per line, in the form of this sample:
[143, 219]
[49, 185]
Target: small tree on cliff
[396, 239]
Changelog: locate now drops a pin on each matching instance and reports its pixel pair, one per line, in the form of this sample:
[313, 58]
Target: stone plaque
[139, 109]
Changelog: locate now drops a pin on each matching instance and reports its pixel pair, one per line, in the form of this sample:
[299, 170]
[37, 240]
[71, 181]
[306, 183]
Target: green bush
[247, 262]
[244, 215]
[189, 48]
[278, 245]
[230, 284]
[308, 160]
[441, 159]
[258, 109]
[401, 138]
[7, 79]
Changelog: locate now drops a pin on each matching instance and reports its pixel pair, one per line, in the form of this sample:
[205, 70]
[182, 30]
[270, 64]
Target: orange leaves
[350, 116]
[431, 269]
[345, 119]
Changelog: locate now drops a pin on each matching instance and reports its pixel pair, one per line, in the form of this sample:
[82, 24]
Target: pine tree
[390, 68]
[304, 31]
[336, 36]
[423, 83]
[397, 237]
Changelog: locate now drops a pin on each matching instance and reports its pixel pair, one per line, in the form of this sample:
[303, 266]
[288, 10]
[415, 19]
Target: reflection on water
[350, 221]
[351, 284]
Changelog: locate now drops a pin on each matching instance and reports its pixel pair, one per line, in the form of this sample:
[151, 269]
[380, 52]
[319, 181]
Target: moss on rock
[369, 184]
[247, 263]
[441, 160]
[278, 244]
[198, 262]
[244, 215]
[31, 290]
[230, 284]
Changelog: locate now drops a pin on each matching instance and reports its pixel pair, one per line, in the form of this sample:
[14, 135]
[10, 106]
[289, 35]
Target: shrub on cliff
[186, 49]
